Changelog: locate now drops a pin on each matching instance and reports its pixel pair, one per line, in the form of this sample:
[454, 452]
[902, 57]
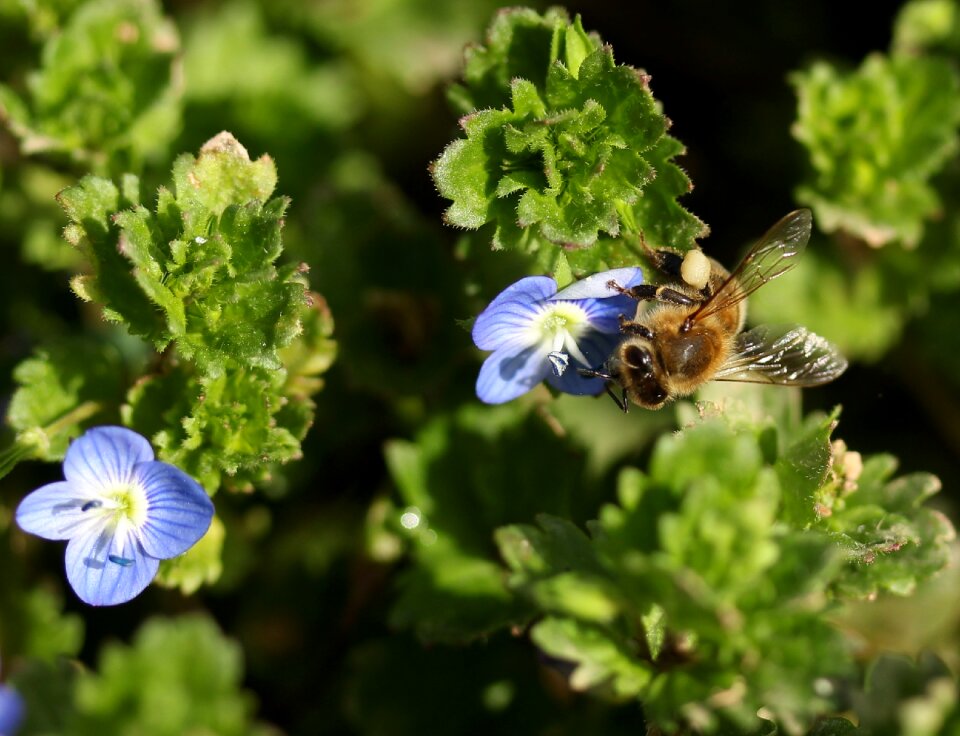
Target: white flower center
[558, 326]
[123, 503]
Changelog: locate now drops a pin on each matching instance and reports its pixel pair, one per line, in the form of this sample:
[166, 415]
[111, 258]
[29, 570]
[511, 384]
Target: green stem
[13, 455]
[29, 442]
[84, 411]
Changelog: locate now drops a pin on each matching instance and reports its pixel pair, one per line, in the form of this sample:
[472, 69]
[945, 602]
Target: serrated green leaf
[577, 45]
[90, 206]
[221, 175]
[520, 44]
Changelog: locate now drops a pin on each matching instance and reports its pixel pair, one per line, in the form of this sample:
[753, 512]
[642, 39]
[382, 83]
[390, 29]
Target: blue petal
[55, 511]
[96, 579]
[507, 374]
[572, 382]
[596, 348]
[104, 457]
[505, 326]
[11, 710]
[179, 511]
[595, 286]
[604, 314]
[511, 311]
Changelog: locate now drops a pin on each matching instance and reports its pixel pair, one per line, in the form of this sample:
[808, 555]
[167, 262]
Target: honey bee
[693, 332]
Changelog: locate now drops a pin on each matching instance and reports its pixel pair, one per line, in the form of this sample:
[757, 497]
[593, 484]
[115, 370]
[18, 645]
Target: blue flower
[122, 511]
[537, 333]
[11, 710]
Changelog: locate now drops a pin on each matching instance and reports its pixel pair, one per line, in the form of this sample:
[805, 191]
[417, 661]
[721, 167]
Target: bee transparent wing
[771, 256]
[787, 356]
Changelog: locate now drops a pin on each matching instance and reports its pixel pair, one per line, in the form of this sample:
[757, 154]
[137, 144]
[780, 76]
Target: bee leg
[666, 261]
[654, 293]
[592, 373]
[629, 327]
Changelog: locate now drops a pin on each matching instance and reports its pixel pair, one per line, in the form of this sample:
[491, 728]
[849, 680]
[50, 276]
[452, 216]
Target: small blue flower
[122, 511]
[537, 333]
[11, 710]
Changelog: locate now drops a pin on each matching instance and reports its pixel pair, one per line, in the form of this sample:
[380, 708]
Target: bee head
[635, 368]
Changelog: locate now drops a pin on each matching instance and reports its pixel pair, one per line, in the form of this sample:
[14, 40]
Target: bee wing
[787, 356]
[774, 254]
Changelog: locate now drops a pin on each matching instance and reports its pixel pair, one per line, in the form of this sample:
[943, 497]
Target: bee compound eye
[637, 357]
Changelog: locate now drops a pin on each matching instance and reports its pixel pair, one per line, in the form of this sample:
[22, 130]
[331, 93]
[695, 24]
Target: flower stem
[36, 441]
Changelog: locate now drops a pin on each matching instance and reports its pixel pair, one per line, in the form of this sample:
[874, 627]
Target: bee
[693, 333]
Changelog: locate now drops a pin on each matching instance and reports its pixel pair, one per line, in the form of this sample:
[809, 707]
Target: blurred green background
[348, 97]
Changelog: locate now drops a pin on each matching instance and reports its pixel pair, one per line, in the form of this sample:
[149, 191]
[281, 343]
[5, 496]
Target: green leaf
[186, 661]
[802, 469]
[582, 590]
[928, 26]
[890, 540]
[47, 632]
[220, 430]
[60, 390]
[90, 206]
[265, 81]
[714, 573]
[875, 137]
[456, 589]
[520, 44]
[599, 659]
[198, 566]
[451, 597]
[902, 695]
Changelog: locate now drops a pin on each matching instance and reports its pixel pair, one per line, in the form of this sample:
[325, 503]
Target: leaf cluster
[704, 592]
[106, 94]
[875, 138]
[564, 147]
[177, 676]
[884, 179]
[197, 277]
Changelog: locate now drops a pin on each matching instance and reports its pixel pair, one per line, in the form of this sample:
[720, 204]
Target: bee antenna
[619, 401]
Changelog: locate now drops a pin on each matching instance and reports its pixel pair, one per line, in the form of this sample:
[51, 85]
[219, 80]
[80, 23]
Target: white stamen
[559, 325]
[559, 361]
